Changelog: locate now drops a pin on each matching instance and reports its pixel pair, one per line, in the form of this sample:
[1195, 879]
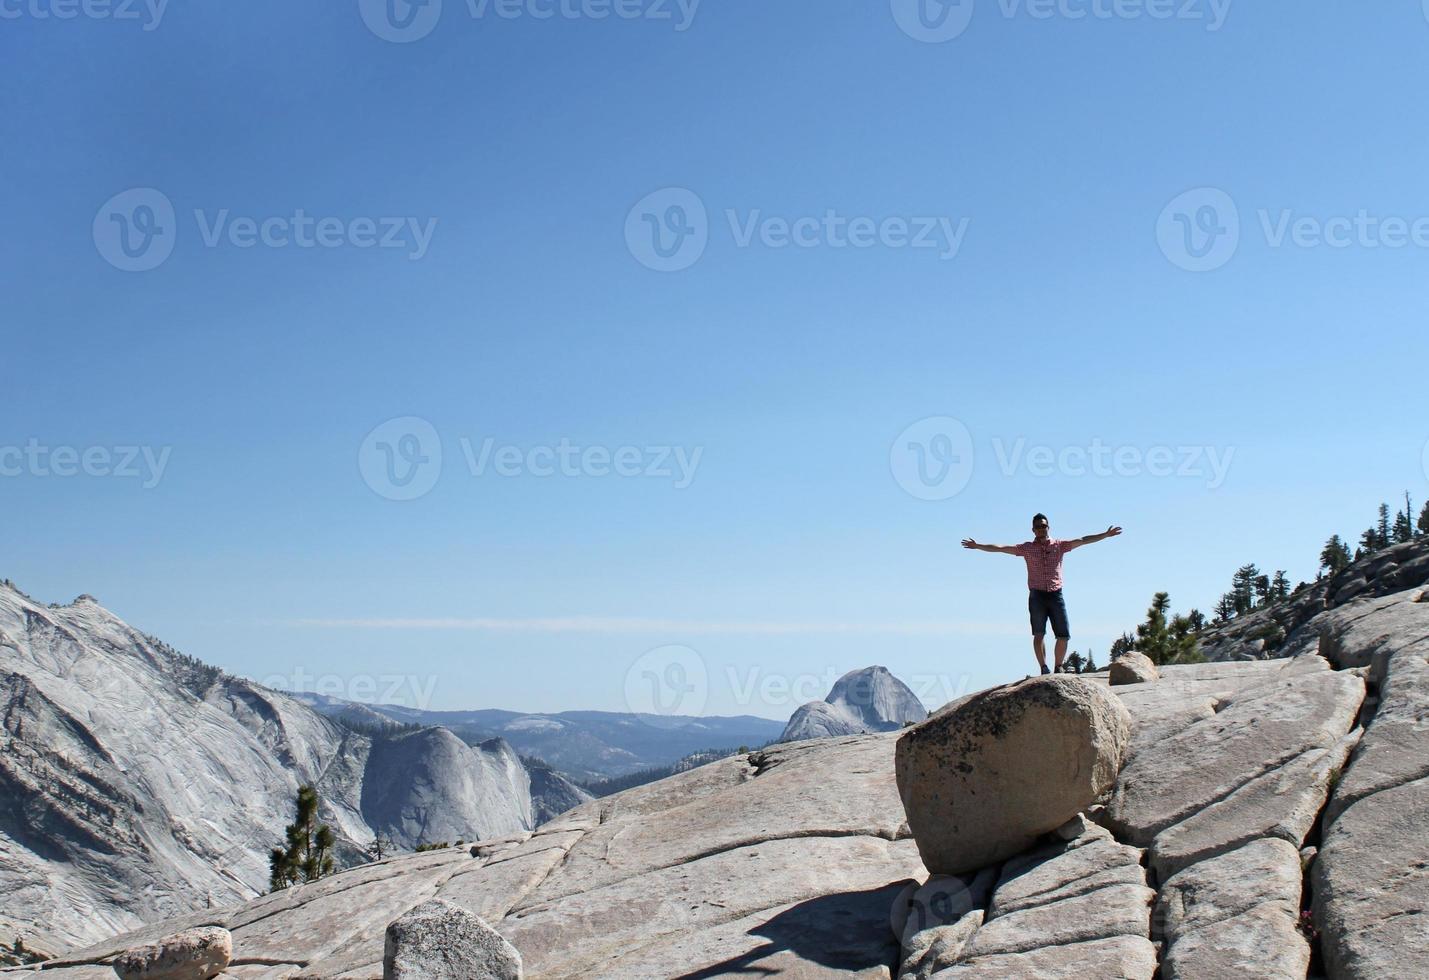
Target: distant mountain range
[137, 783]
[583, 745]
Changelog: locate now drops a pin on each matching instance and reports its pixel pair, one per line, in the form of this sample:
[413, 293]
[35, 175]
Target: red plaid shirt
[1044, 563]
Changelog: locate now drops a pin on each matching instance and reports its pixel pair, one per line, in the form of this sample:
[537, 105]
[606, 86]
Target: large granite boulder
[985, 777]
[1133, 668]
[438, 940]
[194, 954]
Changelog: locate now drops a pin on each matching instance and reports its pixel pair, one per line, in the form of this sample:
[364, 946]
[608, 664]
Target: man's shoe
[1046, 669]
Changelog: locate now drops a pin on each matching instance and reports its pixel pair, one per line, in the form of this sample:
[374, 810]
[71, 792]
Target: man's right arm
[998, 549]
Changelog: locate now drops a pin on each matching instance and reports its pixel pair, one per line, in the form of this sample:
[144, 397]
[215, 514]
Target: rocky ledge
[1267, 819]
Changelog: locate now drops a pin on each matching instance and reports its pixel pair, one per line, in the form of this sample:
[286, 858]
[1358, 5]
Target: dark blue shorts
[1043, 606]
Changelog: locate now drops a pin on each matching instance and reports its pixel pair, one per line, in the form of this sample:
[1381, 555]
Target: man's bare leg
[1040, 649]
[1060, 651]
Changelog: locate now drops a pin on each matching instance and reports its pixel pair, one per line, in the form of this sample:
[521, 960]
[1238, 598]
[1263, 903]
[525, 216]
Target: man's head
[1040, 527]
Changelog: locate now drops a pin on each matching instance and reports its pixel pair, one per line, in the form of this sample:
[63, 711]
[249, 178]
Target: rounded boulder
[194, 954]
[1133, 668]
[987, 775]
[439, 940]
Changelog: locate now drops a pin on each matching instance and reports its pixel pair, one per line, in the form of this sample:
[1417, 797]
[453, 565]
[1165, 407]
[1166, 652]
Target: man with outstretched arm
[1043, 555]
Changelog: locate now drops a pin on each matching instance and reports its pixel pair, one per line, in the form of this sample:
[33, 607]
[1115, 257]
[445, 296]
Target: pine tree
[1369, 543]
[1091, 667]
[1404, 522]
[1075, 662]
[1122, 644]
[1151, 637]
[1163, 642]
[1262, 590]
[1243, 588]
[1382, 529]
[380, 847]
[1403, 528]
[1280, 587]
[1183, 637]
[308, 855]
[1424, 520]
[1225, 608]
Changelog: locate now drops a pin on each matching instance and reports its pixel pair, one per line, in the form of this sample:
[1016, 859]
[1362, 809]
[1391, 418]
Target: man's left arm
[1110, 532]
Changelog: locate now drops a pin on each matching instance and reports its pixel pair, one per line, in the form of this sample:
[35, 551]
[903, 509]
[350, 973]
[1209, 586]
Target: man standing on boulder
[1043, 555]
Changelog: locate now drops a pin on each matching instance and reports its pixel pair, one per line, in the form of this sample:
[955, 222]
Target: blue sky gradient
[795, 553]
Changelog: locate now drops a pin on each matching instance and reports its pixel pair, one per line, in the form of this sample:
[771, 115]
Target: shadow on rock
[846, 931]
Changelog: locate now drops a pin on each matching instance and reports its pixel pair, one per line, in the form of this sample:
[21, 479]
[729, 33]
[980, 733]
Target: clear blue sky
[530, 318]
